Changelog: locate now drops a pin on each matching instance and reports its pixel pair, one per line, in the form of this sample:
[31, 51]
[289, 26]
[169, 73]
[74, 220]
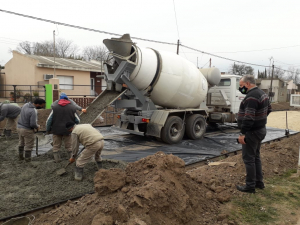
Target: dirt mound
[153, 190]
[157, 190]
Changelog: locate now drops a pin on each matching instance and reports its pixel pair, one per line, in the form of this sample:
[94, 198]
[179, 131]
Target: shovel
[62, 171]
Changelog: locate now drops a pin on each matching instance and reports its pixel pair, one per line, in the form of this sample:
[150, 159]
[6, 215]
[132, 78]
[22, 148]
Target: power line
[287, 63]
[142, 39]
[262, 49]
[221, 57]
[10, 39]
[176, 20]
[83, 28]
[205, 64]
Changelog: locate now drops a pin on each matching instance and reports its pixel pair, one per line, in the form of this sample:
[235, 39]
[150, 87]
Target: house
[292, 88]
[279, 88]
[31, 72]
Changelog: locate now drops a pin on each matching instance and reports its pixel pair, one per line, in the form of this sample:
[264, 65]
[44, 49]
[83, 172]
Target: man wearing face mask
[27, 123]
[252, 119]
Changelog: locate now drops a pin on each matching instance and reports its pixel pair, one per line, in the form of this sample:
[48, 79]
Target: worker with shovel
[93, 142]
[27, 125]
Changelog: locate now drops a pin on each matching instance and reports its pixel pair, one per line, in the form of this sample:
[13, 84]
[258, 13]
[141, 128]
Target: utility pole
[54, 51]
[178, 47]
[270, 93]
[270, 64]
[210, 62]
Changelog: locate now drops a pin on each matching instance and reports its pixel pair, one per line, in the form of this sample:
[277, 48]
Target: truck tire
[195, 126]
[173, 130]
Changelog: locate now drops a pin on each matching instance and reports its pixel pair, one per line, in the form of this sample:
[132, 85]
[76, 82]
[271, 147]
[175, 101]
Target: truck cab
[224, 99]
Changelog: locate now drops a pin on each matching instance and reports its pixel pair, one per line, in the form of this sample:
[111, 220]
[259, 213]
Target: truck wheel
[173, 130]
[195, 126]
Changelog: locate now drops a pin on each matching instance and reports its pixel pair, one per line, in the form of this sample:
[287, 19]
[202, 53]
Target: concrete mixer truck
[161, 92]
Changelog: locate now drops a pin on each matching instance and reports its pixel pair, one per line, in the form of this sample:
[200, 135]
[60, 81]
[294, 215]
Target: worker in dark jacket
[63, 111]
[63, 95]
[11, 112]
[252, 119]
[27, 123]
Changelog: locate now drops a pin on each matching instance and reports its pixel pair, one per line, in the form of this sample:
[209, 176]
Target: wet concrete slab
[129, 148]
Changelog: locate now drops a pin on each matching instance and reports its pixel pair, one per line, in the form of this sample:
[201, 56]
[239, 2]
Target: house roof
[67, 64]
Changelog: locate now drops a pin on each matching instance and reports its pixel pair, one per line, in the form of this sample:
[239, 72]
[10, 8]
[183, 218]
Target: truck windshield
[225, 82]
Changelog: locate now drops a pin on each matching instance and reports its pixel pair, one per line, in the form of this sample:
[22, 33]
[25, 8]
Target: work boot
[21, 152]
[27, 156]
[7, 133]
[99, 165]
[78, 173]
[260, 185]
[3, 134]
[245, 189]
[56, 157]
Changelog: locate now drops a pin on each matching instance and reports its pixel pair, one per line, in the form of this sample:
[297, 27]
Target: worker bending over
[11, 112]
[93, 142]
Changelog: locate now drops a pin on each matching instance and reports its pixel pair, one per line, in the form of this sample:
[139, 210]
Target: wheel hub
[174, 131]
[197, 128]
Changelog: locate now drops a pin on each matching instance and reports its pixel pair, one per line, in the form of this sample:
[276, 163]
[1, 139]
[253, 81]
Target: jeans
[251, 156]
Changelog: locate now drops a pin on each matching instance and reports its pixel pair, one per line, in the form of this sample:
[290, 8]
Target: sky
[249, 31]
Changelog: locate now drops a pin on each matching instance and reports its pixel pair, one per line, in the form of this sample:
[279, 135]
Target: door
[93, 86]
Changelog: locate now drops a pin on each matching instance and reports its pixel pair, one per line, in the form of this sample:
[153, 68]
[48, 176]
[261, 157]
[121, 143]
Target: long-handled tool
[287, 132]
[63, 170]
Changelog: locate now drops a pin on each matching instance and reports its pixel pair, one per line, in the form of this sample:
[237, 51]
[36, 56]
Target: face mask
[243, 90]
[38, 107]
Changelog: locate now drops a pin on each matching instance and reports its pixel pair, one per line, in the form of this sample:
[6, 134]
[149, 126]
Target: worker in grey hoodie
[27, 123]
[11, 112]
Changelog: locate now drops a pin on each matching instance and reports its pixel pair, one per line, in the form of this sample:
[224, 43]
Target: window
[65, 82]
[225, 82]
[237, 83]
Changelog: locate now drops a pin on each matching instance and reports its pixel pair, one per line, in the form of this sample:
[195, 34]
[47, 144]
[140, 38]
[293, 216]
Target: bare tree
[293, 74]
[98, 53]
[25, 47]
[63, 48]
[241, 69]
[278, 73]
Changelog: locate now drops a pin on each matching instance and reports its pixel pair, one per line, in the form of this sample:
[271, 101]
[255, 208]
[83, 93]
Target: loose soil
[25, 186]
[282, 106]
[158, 190]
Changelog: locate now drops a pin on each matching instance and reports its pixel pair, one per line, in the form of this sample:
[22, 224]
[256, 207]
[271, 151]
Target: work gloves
[71, 160]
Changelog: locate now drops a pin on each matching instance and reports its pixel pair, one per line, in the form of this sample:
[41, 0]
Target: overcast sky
[233, 28]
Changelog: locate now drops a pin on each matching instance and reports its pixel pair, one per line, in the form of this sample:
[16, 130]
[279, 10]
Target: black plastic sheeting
[133, 147]
[129, 148]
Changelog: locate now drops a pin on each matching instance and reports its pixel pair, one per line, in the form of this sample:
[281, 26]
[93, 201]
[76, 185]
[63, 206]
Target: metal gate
[295, 100]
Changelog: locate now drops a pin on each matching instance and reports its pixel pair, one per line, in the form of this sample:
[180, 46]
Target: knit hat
[63, 96]
[69, 125]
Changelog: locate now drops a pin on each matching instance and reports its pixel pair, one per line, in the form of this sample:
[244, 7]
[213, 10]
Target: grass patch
[280, 198]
